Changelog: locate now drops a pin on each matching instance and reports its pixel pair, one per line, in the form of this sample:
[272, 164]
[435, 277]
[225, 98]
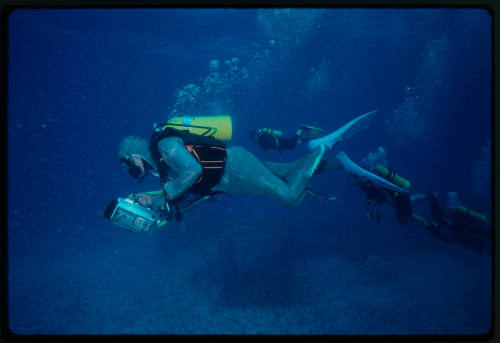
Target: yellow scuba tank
[219, 127]
[391, 176]
[473, 214]
[272, 132]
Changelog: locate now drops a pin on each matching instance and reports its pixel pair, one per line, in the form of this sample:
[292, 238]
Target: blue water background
[81, 80]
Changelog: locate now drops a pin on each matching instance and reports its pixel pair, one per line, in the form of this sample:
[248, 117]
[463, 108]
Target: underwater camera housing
[131, 215]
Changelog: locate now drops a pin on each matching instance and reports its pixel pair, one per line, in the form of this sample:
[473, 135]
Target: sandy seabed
[382, 292]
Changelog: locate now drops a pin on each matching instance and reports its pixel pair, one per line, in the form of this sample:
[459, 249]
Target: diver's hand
[144, 199]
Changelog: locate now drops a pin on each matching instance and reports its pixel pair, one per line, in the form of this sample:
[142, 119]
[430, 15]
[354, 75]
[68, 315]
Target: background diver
[270, 139]
[465, 227]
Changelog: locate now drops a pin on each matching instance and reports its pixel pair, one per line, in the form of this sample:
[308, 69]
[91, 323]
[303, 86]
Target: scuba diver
[399, 202]
[271, 139]
[464, 226]
[191, 159]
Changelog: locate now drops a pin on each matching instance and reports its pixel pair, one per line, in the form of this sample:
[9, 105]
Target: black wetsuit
[465, 231]
[400, 202]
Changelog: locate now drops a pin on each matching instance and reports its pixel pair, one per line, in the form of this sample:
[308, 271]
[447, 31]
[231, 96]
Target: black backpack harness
[209, 152]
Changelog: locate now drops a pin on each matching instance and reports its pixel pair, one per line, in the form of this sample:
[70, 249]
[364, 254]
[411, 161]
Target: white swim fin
[346, 131]
[352, 167]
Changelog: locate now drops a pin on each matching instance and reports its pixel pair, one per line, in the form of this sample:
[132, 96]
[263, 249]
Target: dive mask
[131, 215]
[134, 170]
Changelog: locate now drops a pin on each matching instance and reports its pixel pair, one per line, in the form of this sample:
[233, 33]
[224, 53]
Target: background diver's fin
[352, 167]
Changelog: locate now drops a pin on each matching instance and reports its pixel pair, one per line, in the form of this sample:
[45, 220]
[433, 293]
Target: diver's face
[134, 165]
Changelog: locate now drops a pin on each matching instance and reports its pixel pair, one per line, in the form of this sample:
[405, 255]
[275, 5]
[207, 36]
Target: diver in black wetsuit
[466, 227]
[271, 139]
[400, 202]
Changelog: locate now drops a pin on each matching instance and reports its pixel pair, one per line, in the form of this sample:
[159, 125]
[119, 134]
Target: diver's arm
[184, 170]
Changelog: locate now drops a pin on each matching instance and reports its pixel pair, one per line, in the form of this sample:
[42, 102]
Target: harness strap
[208, 152]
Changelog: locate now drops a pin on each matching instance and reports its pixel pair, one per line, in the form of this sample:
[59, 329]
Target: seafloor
[370, 279]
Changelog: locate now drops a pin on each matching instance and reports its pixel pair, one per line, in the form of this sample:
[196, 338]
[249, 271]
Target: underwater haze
[80, 80]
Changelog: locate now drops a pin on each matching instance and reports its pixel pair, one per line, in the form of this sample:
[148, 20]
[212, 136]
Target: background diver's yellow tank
[219, 127]
[391, 176]
[476, 215]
